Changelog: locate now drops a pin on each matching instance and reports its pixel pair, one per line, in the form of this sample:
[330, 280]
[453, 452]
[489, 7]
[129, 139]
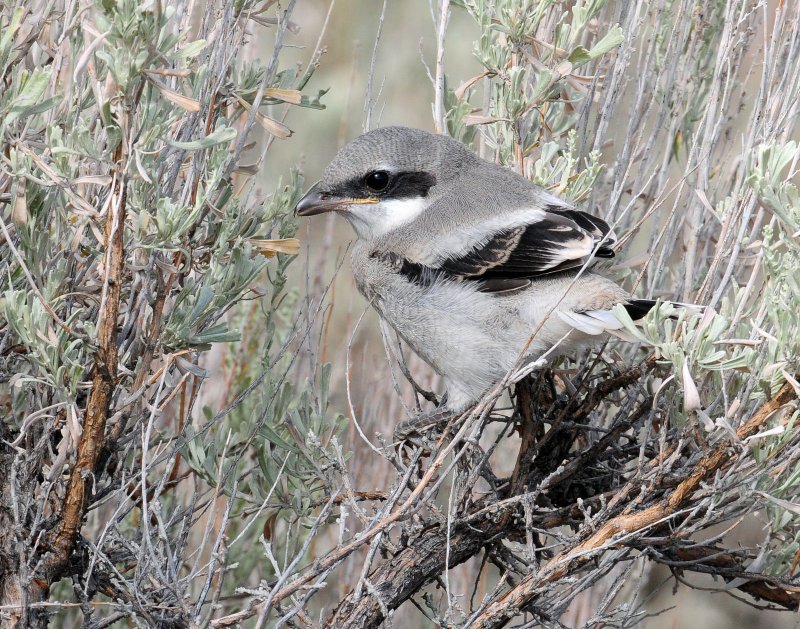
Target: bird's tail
[594, 322]
[638, 308]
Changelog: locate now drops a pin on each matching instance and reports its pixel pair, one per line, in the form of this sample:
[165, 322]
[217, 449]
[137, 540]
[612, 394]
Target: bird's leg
[421, 422]
[551, 384]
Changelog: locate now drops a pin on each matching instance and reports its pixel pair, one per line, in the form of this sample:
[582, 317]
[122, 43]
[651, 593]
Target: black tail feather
[638, 308]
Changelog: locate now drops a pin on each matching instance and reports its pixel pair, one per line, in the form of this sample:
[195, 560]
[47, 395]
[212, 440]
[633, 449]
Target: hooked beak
[316, 202]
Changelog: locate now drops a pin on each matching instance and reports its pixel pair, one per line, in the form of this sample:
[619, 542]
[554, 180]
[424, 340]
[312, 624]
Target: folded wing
[506, 258]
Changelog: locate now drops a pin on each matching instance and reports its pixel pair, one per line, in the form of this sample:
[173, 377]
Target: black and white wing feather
[508, 258]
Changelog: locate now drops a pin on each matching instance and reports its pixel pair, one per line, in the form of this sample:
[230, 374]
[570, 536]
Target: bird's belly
[472, 339]
[468, 337]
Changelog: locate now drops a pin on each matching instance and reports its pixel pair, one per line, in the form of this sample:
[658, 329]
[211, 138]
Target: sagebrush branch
[628, 523]
[103, 383]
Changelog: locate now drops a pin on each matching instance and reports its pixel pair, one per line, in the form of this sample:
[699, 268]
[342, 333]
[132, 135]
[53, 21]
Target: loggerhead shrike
[465, 259]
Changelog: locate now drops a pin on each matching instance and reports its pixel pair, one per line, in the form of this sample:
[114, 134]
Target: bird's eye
[377, 180]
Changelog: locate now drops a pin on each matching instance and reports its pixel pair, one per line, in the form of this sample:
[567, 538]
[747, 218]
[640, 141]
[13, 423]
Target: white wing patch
[573, 249]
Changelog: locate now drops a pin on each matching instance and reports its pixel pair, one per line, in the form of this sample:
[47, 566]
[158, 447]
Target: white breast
[473, 339]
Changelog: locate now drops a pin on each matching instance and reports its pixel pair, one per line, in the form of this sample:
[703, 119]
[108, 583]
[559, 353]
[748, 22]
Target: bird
[473, 265]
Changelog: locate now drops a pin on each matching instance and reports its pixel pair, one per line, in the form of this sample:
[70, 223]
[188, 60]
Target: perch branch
[524, 593]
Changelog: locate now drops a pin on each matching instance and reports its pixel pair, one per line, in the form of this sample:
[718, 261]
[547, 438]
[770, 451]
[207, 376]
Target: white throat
[373, 220]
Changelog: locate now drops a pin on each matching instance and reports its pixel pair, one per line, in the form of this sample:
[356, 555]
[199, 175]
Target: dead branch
[103, 383]
[628, 523]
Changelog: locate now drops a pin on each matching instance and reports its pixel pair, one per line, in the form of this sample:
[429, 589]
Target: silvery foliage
[145, 110]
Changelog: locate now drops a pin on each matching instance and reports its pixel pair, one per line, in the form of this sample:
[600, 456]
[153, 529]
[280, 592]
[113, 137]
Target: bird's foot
[528, 368]
[421, 422]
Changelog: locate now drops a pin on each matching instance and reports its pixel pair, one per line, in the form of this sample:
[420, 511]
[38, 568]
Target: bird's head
[386, 178]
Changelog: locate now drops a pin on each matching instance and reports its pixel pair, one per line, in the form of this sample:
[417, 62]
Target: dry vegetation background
[198, 409]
